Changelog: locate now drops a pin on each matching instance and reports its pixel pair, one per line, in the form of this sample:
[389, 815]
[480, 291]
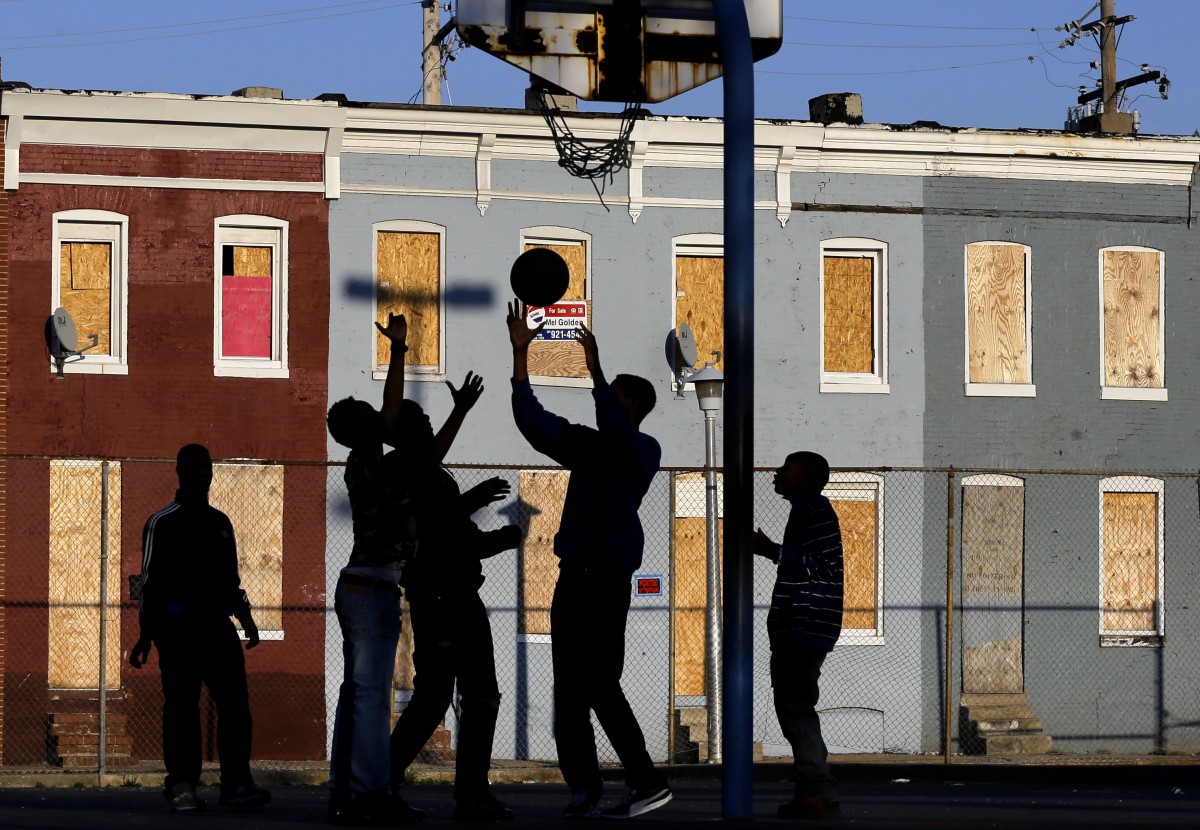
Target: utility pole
[431, 53]
[1110, 119]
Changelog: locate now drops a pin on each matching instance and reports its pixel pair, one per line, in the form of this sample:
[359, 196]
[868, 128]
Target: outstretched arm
[465, 398]
[520, 336]
[393, 388]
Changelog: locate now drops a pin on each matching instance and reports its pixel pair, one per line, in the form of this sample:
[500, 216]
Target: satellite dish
[64, 329]
[681, 355]
[62, 339]
[687, 345]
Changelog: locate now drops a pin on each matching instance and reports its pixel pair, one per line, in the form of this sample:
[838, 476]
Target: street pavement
[1162, 797]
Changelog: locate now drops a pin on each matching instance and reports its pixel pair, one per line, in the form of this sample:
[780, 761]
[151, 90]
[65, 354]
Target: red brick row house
[189, 236]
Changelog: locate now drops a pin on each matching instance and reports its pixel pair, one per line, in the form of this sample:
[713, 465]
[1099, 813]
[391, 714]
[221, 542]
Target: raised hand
[519, 333]
[591, 350]
[468, 394]
[396, 329]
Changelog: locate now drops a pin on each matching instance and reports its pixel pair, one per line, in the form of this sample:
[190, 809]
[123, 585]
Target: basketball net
[596, 161]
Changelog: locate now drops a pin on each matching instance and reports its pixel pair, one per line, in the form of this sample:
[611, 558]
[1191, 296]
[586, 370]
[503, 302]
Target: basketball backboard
[639, 51]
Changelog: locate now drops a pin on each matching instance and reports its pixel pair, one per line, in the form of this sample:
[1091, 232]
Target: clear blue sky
[962, 64]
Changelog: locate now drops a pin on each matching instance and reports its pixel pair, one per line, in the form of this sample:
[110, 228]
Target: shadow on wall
[463, 296]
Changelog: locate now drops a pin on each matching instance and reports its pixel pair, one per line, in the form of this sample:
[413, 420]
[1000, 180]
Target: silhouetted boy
[599, 545]
[190, 588]
[803, 625]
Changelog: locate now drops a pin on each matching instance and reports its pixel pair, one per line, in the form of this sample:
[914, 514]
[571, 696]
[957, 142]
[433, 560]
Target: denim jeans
[369, 616]
[795, 673]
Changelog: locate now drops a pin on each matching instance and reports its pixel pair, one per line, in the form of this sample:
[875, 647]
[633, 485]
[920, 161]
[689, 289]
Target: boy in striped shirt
[803, 624]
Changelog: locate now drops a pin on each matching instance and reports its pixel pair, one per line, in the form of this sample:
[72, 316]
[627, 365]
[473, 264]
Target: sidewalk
[897, 803]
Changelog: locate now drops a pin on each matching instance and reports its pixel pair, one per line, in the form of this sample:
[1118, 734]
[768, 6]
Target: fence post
[671, 620]
[949, 611]
[103, 617]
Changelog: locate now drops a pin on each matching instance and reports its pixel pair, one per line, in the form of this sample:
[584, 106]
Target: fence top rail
[947, 470]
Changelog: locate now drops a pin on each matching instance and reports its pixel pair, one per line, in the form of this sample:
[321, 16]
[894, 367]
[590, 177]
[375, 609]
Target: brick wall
[3, 418]
[168, 398]
[185, 164]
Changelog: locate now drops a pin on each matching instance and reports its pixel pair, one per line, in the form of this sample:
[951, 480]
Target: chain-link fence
[986, 612]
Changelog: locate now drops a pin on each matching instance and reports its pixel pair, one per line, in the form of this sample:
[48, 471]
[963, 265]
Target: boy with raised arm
[599, 545]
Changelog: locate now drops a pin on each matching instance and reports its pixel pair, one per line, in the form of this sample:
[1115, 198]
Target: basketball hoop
[596, 161]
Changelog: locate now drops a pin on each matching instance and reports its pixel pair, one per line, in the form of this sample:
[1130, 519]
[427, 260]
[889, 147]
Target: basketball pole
[733, 34]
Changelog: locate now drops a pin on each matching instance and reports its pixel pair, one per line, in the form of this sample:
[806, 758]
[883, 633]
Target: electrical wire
[913, 25]
[1029, 58]
[212, 31]
[910, 46]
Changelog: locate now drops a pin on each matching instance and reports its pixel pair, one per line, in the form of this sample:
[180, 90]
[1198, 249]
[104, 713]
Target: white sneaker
[181, 798]
[637, 802]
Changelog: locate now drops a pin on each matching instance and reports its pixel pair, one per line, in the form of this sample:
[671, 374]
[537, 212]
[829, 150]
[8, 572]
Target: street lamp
[708, 383]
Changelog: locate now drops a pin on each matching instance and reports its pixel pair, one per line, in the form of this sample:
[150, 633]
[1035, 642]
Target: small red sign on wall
[647, 585]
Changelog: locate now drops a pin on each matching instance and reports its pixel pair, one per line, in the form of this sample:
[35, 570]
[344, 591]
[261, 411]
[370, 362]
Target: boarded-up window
[408, 273]
[85, 290]
[540, 511]
[247, 277]
[1131, 536]
[74, 591]
[252, 496]
[564, 358]
[250, 330]
[853, 313]
[997, 324]
[856, 499]
[993, 553]
[849, 304]
[700, 302]
[689, 581]
[1132, 306]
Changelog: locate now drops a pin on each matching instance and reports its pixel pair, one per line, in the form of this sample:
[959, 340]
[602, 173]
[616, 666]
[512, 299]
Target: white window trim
[115, 230]
[1133, 484]
[535, 638]
[1136, 393]
[425, 373]
[691, 244]
[998, 390]
[875, 382]
[852, 486]
[557, 235]
[255, 230]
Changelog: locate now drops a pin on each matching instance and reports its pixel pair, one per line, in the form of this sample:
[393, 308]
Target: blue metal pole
[733, 33]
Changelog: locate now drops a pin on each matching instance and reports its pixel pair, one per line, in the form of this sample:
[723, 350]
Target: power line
[912, 46]
[207, 31]
[915, 25]
[894, 71]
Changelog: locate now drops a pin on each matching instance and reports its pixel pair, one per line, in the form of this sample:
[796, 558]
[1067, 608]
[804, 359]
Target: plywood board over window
[849, 321]
[700, 302]
[408, 277]
[1132, 318]
[252, 496]
[559, 358]
[997, 329]
[75, 563]
[85, 290]
[1130, 562]
[858, 520]
[541, 495]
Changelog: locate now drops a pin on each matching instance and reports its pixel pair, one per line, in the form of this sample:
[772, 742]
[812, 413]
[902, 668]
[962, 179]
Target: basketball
[539, 277]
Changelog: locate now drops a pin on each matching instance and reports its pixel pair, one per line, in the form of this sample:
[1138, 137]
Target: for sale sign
[562, 320]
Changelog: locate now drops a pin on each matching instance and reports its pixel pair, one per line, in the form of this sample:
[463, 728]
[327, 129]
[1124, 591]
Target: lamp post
[708, 383]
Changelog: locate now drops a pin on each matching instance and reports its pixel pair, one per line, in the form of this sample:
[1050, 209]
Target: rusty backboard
[613, 50]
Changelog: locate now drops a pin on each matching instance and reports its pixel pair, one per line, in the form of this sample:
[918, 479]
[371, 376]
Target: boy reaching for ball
[599, 545]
